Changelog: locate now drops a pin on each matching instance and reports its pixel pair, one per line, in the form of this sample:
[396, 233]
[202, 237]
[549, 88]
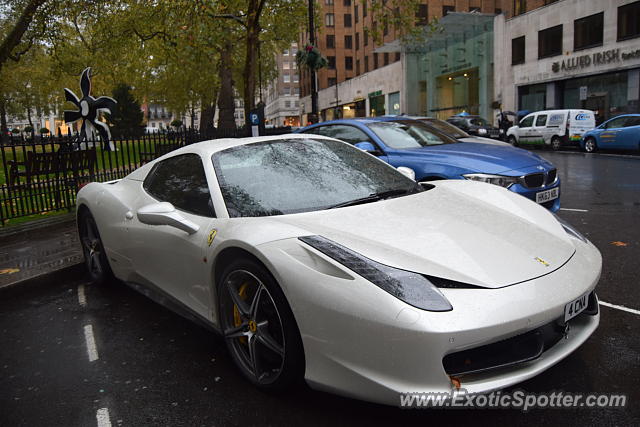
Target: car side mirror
[164, 213]
[408, 172]
[368, 147]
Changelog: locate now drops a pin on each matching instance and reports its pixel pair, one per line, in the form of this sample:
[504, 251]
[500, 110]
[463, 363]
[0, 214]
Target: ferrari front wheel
[95, 258]
[259, 327]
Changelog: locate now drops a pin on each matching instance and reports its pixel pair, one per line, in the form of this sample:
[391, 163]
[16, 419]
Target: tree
[127, 120]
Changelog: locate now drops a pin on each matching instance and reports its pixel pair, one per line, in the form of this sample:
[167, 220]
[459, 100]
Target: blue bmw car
[433, 155]
[620, 133]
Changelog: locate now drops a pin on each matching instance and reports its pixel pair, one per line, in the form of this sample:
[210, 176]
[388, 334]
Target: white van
[553, 128]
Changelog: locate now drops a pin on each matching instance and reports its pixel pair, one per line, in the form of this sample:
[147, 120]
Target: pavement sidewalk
[38, 248]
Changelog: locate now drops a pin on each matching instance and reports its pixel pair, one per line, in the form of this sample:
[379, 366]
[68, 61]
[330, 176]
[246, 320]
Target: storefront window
[394, 103]
[376, 106]
[606, 94]
[532, 97]
[457, 92]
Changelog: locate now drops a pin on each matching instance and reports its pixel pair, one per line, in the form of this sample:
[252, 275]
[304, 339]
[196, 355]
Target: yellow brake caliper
[237, 318]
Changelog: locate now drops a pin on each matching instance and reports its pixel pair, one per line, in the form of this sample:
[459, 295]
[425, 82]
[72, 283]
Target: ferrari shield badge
[212, 235]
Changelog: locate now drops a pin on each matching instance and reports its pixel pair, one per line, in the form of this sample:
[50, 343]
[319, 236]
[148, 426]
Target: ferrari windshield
[299, 175]
[403, 134]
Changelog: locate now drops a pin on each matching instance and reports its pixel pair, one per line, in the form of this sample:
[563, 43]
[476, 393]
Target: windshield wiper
[374, 197]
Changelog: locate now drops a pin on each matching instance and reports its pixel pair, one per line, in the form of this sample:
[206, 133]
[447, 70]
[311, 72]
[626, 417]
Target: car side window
[541, 120]
[632, 121]
[181, 181]
[526, 122]
[616, 123]
[346, 133]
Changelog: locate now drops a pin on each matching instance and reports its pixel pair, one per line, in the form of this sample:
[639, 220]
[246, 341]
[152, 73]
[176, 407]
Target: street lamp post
[314, 89]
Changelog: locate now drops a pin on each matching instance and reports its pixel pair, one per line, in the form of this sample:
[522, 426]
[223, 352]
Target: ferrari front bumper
[360, 341]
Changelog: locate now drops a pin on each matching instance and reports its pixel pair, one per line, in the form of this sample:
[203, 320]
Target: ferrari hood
[469, 232]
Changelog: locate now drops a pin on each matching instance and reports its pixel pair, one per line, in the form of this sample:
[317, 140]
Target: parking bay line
[619, 307]
[82, 298]
[574, 210]
[92, 350]
[102, 416]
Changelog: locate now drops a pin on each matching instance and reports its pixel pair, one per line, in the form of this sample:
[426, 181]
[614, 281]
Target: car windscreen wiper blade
[374, 197]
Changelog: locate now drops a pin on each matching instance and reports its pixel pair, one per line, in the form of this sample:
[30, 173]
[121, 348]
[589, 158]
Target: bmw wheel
[95, 258]
[259, 327]
[556, 143]
[590, 145]
[513, 141]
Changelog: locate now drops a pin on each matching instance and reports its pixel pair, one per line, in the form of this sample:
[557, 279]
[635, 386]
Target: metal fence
[41, 174]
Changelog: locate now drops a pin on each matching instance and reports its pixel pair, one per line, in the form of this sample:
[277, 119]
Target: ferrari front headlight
[412, 288]
[568, 228]
[501, 180]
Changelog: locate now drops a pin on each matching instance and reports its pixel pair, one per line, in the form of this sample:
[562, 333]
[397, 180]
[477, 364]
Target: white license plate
[575, 307]
[546, 195]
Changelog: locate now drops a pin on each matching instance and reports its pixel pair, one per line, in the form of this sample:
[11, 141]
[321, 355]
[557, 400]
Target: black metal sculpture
[88, 110]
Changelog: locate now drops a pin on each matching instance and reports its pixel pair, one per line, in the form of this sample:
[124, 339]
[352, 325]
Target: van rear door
[580, 121]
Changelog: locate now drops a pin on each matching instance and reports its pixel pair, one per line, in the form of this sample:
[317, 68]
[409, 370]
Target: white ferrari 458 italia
[317, 261]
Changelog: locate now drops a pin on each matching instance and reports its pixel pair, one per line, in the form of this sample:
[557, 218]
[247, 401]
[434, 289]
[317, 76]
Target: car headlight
[482, 131]
[568, 228]
[412, 288]
[502, 181]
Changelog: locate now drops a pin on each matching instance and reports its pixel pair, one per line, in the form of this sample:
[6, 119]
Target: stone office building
[570, 54]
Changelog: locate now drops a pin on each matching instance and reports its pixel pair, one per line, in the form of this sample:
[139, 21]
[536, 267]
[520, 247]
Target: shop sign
[598, 58]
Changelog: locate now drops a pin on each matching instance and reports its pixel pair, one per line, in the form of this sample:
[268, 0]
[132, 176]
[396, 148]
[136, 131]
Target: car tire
[261, 334]
[590, 145]
[556, 143]
[95, 257]
[512, 140]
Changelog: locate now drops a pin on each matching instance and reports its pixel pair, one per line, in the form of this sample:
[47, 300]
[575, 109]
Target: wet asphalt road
[154, 367]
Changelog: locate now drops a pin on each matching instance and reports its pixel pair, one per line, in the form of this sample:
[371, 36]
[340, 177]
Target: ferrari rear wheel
[258, 326]
[95, 258]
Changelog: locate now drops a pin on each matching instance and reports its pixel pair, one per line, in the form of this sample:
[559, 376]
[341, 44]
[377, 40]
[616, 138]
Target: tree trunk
[226, 100]
[207, 113]
[3, 121]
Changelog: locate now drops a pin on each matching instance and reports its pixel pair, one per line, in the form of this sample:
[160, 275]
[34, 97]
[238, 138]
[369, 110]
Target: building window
[497, 11]
[348, 62]
[331, 41]
[331, 62]
[386, 58]
[347, 3]
[294, 50]
[517, 51]
[397, 57]
[357, 67]
[422, 15]
[331, 81]
[347, 20]
[375, 61]
[286, 52]
[366, 63]
[329, 20]
[287, 90]
[364, 8]
[587, 32]
[550, 42]
[629, 21]
[296, 90]
[328, 2]
[366, 37]
[447, 9]
[385, 29]
[286, 78]
[355, 13]
[519, 7]
[296, 78]
[287, 104]
[357, 41]
[348, 42]
[285, 65]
